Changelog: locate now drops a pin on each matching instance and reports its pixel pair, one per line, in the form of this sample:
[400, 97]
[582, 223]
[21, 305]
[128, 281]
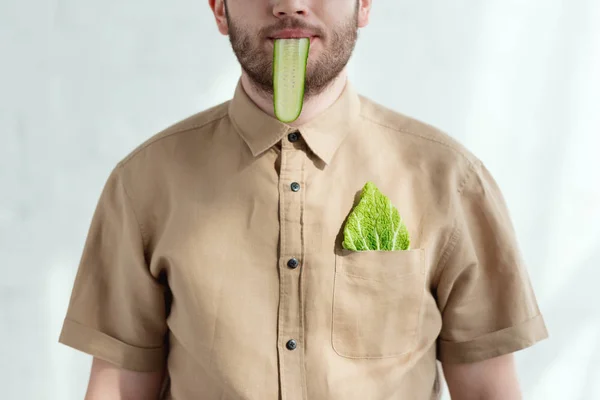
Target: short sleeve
[117, 308]
[484, 292]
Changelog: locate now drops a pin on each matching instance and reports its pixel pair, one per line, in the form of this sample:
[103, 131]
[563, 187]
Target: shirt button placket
[291, 210]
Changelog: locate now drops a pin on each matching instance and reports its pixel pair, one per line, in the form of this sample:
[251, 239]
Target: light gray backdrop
[83, 82]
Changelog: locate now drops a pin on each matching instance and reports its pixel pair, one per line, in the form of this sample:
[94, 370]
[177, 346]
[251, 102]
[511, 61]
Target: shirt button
[293, 137]
[295, 186]
[291, 344]
[292, 263]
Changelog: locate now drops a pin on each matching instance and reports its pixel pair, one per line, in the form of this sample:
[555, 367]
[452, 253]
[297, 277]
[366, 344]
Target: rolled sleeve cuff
[494, 344]
[107, 348]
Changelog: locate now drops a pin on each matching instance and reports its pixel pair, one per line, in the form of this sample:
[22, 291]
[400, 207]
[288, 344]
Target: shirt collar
[323, 134]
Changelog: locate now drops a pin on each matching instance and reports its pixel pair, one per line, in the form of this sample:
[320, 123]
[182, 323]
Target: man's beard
[256, 58]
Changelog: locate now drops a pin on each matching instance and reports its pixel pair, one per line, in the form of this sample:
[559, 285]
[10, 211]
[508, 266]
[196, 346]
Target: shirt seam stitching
[167, 135]
[508, 328]
[448, 249]
[237, 128]
[302, 276]
[456, 232]
[96, 330]
[135, 216]
[458, 151]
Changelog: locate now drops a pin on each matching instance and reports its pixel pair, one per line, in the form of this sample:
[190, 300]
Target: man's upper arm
[492, 379]
[108, 381]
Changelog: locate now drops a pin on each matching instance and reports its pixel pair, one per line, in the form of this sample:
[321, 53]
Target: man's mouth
[294, 34]
[312, 39]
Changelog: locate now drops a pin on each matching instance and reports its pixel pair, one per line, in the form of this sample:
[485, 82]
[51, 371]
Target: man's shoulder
[428, 140]
[181, 130]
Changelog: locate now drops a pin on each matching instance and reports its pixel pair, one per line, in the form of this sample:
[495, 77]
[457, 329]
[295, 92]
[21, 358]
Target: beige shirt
[216, 248]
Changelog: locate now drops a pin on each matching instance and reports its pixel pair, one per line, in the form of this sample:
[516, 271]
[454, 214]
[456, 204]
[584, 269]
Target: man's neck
[312, 106]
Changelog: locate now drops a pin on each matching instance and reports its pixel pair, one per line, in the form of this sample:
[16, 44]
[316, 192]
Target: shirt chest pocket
[377, 302]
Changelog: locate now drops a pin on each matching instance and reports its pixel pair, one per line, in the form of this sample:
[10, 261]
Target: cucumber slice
[290, 57]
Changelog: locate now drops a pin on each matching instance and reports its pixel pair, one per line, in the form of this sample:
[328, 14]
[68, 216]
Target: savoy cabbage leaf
[375, 224]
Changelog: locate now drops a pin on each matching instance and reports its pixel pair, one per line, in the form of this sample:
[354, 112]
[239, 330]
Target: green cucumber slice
[290, 57]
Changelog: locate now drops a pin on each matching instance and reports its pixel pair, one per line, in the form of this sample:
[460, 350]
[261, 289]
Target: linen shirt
[215, 251]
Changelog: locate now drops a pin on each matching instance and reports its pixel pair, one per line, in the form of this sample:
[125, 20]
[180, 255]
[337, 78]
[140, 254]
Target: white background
[83, 82]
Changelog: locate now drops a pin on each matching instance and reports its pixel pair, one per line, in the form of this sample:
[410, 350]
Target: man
[214, 266]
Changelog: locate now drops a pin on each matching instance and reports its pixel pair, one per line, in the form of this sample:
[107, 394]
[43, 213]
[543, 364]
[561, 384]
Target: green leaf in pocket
[375, 224]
